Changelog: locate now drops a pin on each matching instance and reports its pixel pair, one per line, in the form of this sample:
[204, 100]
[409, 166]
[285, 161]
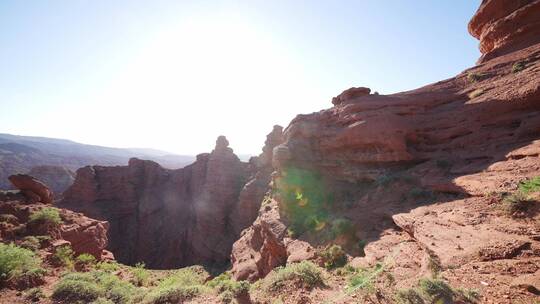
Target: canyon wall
[173, 218]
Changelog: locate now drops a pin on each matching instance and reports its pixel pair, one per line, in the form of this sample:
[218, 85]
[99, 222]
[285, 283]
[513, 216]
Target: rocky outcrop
[378, 156]
[57, 178]
[83, 234]
[32, 188]
[171, 218]
[349, 94]
[504, 26]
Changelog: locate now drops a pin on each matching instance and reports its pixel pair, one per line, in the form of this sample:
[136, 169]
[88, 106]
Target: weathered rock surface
[32, 188]
[413, 170]
[173, 218]
[505, 26]
[349, 94]
[57, 178]
[83, 234]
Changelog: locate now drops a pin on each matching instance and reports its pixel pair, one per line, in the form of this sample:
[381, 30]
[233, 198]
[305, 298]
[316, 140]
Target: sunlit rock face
[173, 218]
[373, 156]
[505, 26]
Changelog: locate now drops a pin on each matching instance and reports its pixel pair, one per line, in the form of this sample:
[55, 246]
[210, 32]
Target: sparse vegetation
[180, 286]
[306, 273]
[333, 256]
[8, 218]
[364, 278]
[518, 66]
[87, 287]
[475, 76]
[140, 275]
[434, 290]
[19, 264]
[227, 288]
[108, 266]
[530, 185]
[84, 261]
[476, 93]
[31, 243]
[48, 215]
[64, 256]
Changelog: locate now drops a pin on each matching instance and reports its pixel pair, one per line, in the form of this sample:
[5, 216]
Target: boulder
[32, 188]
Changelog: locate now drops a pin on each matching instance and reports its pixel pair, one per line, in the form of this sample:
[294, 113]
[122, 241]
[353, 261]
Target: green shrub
[333, 257]
[84, 260]
[31, 243]
[304, 272]
[140, 275]
[34, 294]
[102, 301]
[474, 76]
[468, 295]
[408, 296]
[530, 185]
[436, 290]
[180, 286]
[225, 284]
[87, 287]
[515, 202]
[64, 256]
[19, 263]
[108, 266]
[364, 277]
[518, 66]
[47, 215]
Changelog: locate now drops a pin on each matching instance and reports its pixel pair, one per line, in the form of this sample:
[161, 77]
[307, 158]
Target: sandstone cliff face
[446, 145]
[505, 26]
[172, 218]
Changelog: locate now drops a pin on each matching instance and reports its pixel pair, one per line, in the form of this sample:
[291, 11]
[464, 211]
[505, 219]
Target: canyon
[413, 181]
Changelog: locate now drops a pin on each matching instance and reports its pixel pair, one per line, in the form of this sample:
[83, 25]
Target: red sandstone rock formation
[83, 234]
[503, 26]
[469, 135]
[171, 218]
[32, 188]
[351, 93]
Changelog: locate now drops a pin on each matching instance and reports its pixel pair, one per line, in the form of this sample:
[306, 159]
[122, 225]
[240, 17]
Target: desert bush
[140, 275]
[31, 243]
[34, 294]
[364, 278]
[436, 290]
[518, 66]
[77, 287]
[63, 256]
[227, 288]
[530, 185]
[475, 76]
[180, 286]
[108, 266]
[514, 203]
[333, 257]
[102, 301]
[47, 215]
[19, 264]
[84, 261]
[306, 273]
[467, 295]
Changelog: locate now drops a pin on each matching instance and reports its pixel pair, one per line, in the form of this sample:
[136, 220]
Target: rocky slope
[415, 174]
[170, 218]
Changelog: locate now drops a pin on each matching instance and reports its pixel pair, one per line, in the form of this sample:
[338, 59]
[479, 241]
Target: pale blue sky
[174, 75]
